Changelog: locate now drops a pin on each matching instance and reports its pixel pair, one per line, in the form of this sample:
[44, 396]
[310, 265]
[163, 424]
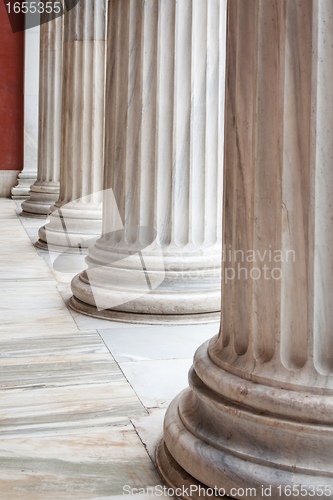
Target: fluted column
[45, 191]
[31, 79]
[164, 139]
[258, 413]
[77, 215]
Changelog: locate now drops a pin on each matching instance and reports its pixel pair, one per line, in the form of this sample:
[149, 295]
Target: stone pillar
[77, 215]
[45, 191]
[259, 410]
[164, 140]
[31, 85]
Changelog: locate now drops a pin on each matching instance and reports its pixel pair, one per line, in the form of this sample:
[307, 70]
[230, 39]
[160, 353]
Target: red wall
[11, 94]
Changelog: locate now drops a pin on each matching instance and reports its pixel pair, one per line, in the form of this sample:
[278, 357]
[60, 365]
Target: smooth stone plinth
[160, 251]
[259, 410]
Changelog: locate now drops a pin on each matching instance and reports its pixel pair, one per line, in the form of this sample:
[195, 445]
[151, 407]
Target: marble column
[259, 410]
[159, 258]
[77, 215]
[45, 191]
[31, 85]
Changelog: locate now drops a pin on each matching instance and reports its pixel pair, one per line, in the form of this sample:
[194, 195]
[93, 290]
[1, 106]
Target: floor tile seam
[143, 444]
[129, 383]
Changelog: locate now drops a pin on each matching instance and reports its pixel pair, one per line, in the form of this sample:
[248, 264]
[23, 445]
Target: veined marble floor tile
[56, 376]
[7, 207]
[67, 435]
[7, 214]
[30, 321]
[74, 464]
[32, 307]
[28, 285]
[7, 217]
[75, 343]
[22, 243]
[18, 235]
[82, 400]
[24, 262]
[18, 258]
[156, 342]
[31, 295]
[7, 222]
[20, 332]
[38, 301]
[67, 406]
[157, 382]
[11, 270]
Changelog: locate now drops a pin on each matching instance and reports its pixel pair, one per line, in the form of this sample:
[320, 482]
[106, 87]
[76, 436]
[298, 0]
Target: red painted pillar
[11, 102]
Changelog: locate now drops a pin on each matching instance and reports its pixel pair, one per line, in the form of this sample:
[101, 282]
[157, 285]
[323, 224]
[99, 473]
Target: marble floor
[82, 400]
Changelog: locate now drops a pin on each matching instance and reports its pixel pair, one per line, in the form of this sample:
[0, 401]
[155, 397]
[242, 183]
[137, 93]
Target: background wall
[11, 103]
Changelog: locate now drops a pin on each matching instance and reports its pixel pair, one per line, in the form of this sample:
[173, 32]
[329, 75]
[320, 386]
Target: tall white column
[164, 140]
[45, 191]
[77, 215]
[258, 413]
[31, 86]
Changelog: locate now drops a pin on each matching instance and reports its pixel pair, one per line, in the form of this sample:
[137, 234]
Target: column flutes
[77, 215]
[163, 161]
[258, 413]
[45, 191]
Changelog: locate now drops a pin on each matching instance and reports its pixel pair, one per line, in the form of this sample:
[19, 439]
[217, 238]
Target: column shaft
[77, 215]
[164, 139]
[258, 413]
[45, 191]
[31, 84]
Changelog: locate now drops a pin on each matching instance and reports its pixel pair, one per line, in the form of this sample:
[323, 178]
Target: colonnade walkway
[81, 400]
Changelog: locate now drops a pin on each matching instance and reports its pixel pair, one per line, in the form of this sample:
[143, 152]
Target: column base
[42, 245]
[178, 479]
[41, 198]
[22, 189]
[31, 215]
[70, 229]
[142, 287]
[247, 438]
[140, 318]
